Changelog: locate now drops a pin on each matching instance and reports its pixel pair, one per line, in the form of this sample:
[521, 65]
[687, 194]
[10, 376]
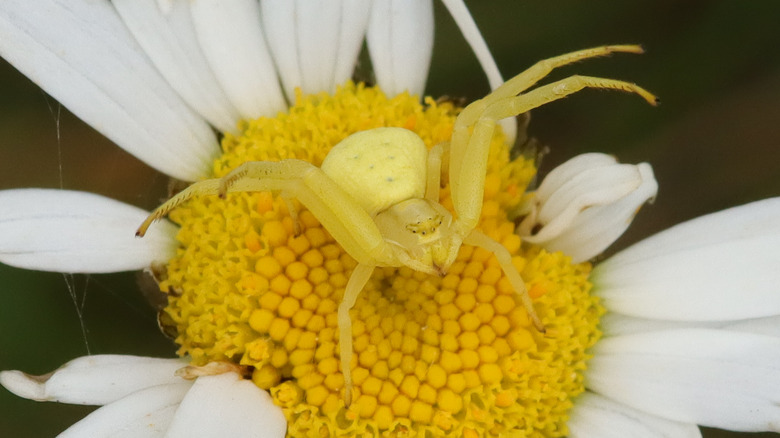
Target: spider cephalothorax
[377, 191]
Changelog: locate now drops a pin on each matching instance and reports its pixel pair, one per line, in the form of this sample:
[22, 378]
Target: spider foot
[347, 395]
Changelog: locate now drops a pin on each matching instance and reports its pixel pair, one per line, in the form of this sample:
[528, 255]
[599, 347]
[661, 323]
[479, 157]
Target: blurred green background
[714, 143]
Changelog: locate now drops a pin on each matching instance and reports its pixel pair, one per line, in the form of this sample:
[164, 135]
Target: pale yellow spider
[377, 191]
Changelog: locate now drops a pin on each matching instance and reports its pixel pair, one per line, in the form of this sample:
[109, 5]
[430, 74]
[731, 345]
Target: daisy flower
[677, 331]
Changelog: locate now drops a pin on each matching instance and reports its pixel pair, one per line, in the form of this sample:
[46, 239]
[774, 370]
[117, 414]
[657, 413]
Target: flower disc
[433, 356]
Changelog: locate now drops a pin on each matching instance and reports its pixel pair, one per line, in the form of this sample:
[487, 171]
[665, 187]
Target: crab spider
[377, 191]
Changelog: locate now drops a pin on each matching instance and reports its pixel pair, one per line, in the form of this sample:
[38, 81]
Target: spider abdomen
[379, 167]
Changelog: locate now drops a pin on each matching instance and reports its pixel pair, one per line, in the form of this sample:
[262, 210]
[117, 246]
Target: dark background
[714, 143]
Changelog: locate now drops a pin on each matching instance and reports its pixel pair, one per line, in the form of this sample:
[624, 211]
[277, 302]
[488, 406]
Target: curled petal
[81, 53]
[400, 42]
[593, 187]
[723, 266]
[718, 378]
[226, 405]
[594, 416]
[94, 380]
[68, 231]
[570, 169]
[585, 204]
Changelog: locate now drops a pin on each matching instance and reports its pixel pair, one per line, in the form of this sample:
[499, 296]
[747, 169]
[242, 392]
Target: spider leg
[433, 177]
[356, 282]
[537, 97]
[468, 156]
[348, 223]
[207, 187]
[538, 71]
[293, 210]
[345, 219]
[480, 239]
[339, 213]
[467, 186]
[472, 114]
[534, 74]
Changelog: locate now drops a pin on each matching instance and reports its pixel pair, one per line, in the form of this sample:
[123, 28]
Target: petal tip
[25, 385]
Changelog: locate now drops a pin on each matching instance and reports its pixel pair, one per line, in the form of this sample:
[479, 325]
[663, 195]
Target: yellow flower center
[433, 356]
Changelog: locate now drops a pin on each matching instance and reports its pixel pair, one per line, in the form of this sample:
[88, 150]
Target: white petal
[166, 6]
[570, 169]
[400, 42]
[471, 33]
[94, 380]
[169, 39]
[594, 416]
[80, 52]
[315, 43]
[746, 221]
[153, 422]
[353, 25]
[226, 405]
[145, 413]
[586, 203]
[593, 187]
[718, 267]
[763, 326]
[615, 324]
[316, 34]
[279, 23]
[598, 227]
[231, 38]
[317, 29]
[68, 231]
[320, 27]
[716, 378]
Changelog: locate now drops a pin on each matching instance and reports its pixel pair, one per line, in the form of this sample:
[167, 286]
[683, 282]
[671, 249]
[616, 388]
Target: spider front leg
[336, 210]
[203, 188]
[348, 223]
[473, 132]
[537, 97]
[474, 126]
[527, 79]
[469, 154]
